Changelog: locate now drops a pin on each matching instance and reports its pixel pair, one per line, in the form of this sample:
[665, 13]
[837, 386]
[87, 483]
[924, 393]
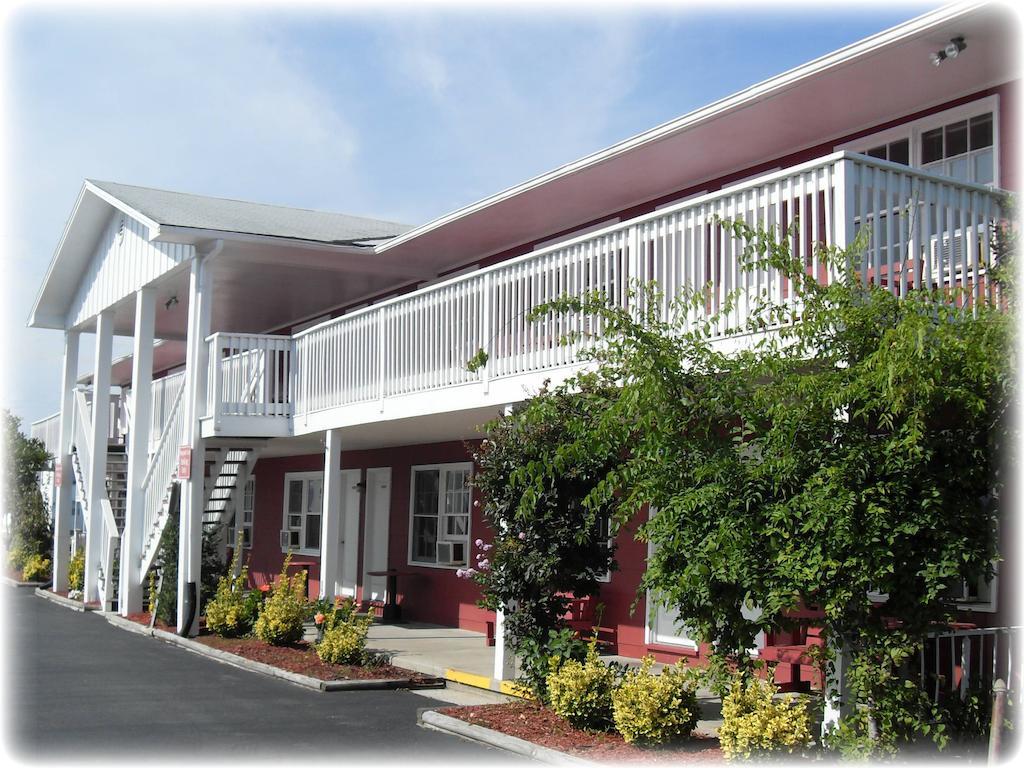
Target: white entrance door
[664, 629]
[375, 536]
[348, 545]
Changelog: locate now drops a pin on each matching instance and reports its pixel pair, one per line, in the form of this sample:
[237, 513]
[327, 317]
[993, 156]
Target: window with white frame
[439, 515]
[303, 505]
[242, 519]
[961, 142]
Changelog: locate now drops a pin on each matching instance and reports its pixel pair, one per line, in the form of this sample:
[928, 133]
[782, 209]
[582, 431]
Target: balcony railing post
[381, 344]
[215, 382]
[485, 332]
[844, 209]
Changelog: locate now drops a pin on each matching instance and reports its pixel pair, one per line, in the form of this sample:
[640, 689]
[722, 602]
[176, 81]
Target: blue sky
[397, 112]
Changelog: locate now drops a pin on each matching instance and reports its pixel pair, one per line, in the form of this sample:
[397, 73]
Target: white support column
[65, 497]
[838, 702]
[330, 521]
[504, 659]
[97, 480]
[190, 533]
[132, 588]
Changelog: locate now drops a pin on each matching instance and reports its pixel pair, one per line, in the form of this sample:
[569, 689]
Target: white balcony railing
[249, 376]
[924, 230]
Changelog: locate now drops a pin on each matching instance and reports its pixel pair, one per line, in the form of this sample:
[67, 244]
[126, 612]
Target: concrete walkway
[457, 655]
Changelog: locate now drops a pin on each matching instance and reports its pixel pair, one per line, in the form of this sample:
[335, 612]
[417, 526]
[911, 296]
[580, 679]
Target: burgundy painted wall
[433, 595]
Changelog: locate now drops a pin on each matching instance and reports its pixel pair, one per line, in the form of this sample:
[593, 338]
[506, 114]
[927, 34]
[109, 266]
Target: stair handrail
[169, 427]
[82, 446]
[106, 563]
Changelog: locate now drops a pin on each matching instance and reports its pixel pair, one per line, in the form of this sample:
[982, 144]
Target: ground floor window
[242, 519]
[303, 505]
[439, 514]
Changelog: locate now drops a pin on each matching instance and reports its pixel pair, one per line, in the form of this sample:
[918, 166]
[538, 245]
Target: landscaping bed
[143, 618]
[301, 658]
[534, 723]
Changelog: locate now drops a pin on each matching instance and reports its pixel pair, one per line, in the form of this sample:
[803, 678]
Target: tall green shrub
[550, 544]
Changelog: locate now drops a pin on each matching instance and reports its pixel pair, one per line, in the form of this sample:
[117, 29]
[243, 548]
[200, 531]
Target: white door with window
[375, 532]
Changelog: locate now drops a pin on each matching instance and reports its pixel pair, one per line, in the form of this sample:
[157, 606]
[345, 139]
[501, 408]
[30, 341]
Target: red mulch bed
[534, 723]
[143, 618]
[302, 659]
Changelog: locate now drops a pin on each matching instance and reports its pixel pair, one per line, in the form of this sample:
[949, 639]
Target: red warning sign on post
[185, 462]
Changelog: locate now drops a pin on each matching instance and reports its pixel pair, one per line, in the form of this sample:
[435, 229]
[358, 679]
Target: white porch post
[504, 659]
[837, 693]
[330, 521]
[131, 592]
[64, 498]
[97, 480]
[190, 533]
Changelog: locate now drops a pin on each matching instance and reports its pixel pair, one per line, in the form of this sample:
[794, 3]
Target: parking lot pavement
[80, 687]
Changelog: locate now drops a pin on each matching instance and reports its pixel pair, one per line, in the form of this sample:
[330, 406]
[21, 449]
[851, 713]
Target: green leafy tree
[548, 545]
[27, 524]
[849, 449]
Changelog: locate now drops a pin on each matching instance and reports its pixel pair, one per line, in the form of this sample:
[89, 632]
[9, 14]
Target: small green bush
[345, 641]
[232, 611]
[76, 571]
[581, 692]
[755, 723]
[37, 568]
[656, 709]
[280, 620]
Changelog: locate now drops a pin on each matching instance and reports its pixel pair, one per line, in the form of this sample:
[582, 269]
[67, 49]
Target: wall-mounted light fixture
[952, 49]
[170, 302]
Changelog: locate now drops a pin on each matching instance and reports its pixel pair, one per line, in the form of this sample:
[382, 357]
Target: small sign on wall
[185, 462]
[57, 473]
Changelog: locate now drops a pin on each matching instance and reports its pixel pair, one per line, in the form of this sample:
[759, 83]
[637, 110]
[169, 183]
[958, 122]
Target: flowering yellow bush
[76, 571]
[654, 709]
[37, 568]
[581, 692]
[756, 723]
[283, 613]
[232, 611]
[344, 641]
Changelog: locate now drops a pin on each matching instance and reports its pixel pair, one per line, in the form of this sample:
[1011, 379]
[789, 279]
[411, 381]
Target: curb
[74, 605]
[312, 683]
[438, 722]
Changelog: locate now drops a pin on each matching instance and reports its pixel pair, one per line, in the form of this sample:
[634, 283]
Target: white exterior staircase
[228, 469]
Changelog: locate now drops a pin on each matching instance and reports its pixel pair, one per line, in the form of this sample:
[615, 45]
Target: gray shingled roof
[181, 209]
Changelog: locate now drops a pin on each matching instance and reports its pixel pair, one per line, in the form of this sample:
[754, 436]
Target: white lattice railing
[160, 474]
[165, 393]
[955, 661]
[250, 375]
[47, 431]
[925, 230]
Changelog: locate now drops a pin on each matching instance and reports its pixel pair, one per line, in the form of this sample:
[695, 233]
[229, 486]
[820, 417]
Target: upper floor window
[963, 150]
[961, 142]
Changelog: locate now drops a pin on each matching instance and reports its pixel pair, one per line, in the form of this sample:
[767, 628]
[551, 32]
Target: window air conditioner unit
[451, 553]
